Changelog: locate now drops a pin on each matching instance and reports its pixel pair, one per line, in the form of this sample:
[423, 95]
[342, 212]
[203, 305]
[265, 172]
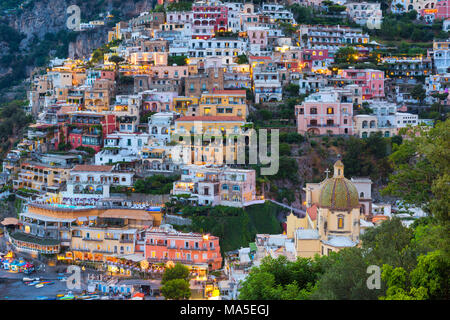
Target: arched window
[340, 222]
[361, 195]
[224, 187]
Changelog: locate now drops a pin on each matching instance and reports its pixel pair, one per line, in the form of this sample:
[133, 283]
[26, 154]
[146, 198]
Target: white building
[441, 55]
[277, 12]
[267, 84]
[160, 125]
[121, 146]
[217, 185]
[365, 14]
[227, 49]
[94, 182]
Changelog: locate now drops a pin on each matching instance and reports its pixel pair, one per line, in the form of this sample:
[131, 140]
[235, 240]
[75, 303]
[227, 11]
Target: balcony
[109, 238]
[126, 240]
[102, 251]
[92, 239]
[322, 125]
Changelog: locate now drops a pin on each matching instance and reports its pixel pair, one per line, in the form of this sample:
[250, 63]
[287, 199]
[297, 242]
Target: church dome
[338, 193]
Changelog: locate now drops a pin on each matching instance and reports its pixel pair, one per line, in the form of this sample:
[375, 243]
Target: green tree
[176, 289]
[116, 60]
[422, 167]
[280, 279]
[285, 149]
[178, 60]
[345, 278]
[432, 272]
[418, 93]
[346, 55]
[390, 243]
[242, 59]
[179, 271]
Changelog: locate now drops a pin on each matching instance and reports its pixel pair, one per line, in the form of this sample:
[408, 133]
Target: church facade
[335, 208]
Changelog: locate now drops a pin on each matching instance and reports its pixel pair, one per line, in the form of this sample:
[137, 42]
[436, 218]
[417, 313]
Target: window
[330, 111]
[340, 222]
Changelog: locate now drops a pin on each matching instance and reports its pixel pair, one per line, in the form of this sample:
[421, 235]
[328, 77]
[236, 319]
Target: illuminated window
[340, 222]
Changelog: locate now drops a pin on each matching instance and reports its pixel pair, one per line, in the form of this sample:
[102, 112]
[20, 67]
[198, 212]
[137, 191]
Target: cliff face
[86, 42]
[40, 17]
[45, 16]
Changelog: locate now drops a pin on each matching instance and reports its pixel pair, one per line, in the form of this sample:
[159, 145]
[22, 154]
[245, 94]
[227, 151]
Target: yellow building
[224, 103]
[114, 233]
[91, 233]
[213, 129]
[333, 217]
[186, 106]
[41, 177]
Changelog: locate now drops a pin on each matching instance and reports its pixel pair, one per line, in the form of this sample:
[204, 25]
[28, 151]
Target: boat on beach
[26, 279]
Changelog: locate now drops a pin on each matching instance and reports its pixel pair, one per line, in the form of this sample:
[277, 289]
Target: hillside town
[133, 150]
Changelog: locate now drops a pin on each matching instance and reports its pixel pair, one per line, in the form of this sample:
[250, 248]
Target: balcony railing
[126, 240]
[92, 239]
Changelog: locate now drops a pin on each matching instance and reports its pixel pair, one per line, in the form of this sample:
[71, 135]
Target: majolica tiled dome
[338, 193]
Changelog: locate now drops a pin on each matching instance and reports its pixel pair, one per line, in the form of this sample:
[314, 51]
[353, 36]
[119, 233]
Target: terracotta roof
[85, 167]
[127, 214]
[10, 221]
[210, 118]
[312, 212]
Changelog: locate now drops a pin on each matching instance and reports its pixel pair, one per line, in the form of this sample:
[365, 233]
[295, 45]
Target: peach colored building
[163, 244]
[325, 112]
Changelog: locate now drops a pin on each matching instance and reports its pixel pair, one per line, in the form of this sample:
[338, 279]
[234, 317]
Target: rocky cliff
[38, 21]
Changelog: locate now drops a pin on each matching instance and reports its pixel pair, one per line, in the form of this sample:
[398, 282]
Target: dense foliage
[13, 121]
[235, 227]
[406, 272]
[175, 283]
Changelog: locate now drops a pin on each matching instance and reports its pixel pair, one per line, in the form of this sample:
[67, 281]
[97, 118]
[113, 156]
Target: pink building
[257, 36]
[325, 112]
[443, 9]
[371, 81]
[162, 245]
[108, 74]
[213, 14]
[315, 60]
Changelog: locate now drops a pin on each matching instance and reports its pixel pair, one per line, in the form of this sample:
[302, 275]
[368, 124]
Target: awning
[133, 257]
[82, 219]
[45, 218]
[10, 221]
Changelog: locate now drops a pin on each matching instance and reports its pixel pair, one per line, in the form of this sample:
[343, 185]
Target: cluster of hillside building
[101, 125]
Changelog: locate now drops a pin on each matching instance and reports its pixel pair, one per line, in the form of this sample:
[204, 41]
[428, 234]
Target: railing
[92, 239]
[322, 125]
[126, 240]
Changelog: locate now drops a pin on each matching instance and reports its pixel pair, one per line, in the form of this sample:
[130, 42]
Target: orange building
[163, 245]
